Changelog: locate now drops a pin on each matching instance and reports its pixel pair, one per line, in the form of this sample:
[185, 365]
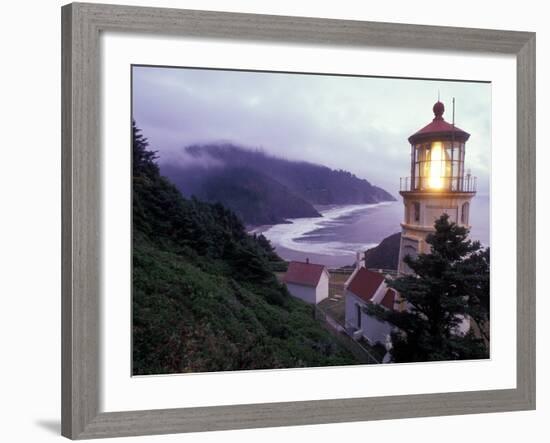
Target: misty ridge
[263, 189]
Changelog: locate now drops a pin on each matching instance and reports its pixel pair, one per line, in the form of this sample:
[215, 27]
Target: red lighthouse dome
[439, 129]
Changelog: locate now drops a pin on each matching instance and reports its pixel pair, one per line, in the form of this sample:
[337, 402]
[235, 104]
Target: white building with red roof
[368, 287]
[307, 281]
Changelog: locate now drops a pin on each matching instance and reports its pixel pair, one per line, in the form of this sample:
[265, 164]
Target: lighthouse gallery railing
[449, 183]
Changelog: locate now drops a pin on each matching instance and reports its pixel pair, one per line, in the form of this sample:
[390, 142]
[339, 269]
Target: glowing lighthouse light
[436, 166]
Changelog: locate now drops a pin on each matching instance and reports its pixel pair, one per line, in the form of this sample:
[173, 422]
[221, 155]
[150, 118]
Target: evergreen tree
[143, 159]
[449, 284]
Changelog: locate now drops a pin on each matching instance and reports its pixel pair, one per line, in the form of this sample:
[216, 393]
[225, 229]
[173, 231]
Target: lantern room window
[438, 165]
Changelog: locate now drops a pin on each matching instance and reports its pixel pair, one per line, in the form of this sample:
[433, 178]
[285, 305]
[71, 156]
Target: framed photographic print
[274, 221]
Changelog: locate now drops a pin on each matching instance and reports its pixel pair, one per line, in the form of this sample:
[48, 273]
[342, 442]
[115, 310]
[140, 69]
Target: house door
[358, 307]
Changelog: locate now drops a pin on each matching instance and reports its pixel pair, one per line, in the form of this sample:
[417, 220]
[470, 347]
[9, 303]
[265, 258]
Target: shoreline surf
[343, 230]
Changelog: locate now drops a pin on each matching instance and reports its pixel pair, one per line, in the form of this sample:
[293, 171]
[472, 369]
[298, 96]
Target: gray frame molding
[81, 26]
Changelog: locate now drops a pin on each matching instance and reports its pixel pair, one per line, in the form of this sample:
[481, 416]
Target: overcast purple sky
[359, 124]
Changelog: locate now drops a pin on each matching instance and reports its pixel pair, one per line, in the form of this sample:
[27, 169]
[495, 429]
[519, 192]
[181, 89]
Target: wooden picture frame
[81, 163]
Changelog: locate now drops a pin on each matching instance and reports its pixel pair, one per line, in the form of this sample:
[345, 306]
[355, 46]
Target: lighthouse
[437, 184]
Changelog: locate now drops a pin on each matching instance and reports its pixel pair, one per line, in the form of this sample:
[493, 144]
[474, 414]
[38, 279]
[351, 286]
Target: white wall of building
[372, 329]
[321, 291]
[432, 207]
[351, 302]
[375, 330]
[305, 293]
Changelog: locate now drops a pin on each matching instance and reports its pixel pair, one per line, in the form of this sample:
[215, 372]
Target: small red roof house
[364, 287]
[307, 281]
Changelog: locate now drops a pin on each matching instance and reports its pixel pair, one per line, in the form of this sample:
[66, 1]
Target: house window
[416, 206]
[465, 213]
[358, 308]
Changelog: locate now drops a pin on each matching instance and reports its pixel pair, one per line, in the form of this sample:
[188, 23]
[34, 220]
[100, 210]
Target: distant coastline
[343, 230]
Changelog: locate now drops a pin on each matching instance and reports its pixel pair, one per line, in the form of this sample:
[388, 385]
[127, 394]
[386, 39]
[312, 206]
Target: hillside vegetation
[204, 294]
[257, 198]
[263, 189]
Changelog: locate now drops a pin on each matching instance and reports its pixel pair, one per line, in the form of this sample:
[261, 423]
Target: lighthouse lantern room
[438, 183]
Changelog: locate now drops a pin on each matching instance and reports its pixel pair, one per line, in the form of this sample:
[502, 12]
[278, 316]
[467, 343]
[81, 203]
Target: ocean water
[335, 238]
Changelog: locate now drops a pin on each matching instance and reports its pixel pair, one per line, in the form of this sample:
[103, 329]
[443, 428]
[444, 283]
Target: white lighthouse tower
[438, 184]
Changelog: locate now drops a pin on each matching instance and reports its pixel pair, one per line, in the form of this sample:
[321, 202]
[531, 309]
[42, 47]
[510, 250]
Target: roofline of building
[325, 270]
